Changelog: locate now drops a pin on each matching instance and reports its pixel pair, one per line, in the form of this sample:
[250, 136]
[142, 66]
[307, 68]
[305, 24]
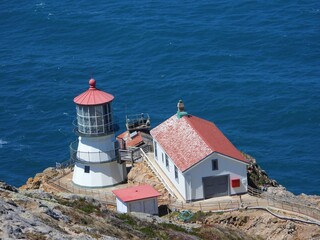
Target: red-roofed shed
[141, 198]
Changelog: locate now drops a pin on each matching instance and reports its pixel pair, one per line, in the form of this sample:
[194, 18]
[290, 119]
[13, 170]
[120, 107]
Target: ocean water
[251, 67]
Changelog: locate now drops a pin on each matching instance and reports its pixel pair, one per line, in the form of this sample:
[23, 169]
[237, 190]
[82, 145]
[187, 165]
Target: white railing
[279, 202]
[93, 157]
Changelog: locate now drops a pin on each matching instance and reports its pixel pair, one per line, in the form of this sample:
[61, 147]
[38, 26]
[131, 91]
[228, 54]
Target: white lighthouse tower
[96, 155]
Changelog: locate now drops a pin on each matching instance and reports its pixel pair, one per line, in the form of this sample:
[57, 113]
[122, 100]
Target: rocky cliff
[35, 214]
[37, 211]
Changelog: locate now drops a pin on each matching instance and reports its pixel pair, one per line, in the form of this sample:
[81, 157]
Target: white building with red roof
[198, 158]
[141, 198]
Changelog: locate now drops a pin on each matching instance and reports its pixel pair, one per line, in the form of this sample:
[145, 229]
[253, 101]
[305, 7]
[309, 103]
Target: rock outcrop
[262, 225]
[34, 214]
[257, 177]
[39, 211]
[141, 174]
[40, 179]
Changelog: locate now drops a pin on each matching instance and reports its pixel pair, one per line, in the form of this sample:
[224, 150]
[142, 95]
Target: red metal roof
[134, 141]
[93, 96]
[190, 139]
[136, 193]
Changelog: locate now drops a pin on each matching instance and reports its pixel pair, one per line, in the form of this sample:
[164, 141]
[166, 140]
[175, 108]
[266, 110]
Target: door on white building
[215, 186]
[149, 206]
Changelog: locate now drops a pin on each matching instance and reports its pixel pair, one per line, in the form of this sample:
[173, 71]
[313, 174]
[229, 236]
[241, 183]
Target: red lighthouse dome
[93, 96]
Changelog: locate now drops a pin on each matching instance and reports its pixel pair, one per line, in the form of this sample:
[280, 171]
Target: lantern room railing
[95, 156]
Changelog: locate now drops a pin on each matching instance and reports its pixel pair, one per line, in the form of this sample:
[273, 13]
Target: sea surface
[251, 67]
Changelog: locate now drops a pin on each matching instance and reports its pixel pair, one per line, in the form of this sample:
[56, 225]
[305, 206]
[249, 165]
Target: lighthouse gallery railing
[95, 156]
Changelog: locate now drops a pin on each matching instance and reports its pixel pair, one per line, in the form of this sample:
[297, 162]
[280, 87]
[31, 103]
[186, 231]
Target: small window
[155, 150]
[167, 162]
[162, 158]
[176, 176]
[86, 169]
[215, 164]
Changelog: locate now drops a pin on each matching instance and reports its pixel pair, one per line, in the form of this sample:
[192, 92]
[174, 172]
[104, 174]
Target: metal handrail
[153, 168]
[132, 154]
[93, 157]
[279, 202]
[138, 121]
[254, 191]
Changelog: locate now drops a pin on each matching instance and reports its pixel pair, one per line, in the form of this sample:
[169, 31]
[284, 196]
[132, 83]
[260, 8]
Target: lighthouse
[95, 153]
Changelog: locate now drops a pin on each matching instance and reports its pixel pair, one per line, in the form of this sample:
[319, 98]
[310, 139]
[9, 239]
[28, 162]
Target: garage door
[215, 186]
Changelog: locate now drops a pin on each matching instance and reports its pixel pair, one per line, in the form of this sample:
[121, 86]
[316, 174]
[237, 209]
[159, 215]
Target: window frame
[86, 169]
[167, 162]
[176, 173]
[95, 119]
[214, 164]
[155, 150]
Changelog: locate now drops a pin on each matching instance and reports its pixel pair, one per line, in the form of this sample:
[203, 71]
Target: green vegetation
[127, 218]
[85, 206]
[219, 213]
[173, 227]
[80, 204]
[149, 231]
[197, 217]
[35, 236]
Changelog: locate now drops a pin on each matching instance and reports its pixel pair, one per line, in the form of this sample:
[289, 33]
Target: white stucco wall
[96, 149]
[121, 206]
[226, 166]
[180, 184]
[190, 183]
[100, 175]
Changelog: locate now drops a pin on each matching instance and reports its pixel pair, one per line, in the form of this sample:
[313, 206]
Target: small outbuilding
[141, 198]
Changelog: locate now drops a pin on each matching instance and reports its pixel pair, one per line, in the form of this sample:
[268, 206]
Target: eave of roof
[93, 96]
[136, 193]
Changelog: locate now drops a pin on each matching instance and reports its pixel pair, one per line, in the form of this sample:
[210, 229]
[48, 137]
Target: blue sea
[251, 67]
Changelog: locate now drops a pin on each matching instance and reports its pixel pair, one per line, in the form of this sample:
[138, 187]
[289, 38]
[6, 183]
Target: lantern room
[94, 111]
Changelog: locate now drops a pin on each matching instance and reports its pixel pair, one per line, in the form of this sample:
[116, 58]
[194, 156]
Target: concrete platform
[102, 194]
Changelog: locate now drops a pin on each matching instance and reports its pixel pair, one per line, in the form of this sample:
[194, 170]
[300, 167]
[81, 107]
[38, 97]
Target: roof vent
[181, 112]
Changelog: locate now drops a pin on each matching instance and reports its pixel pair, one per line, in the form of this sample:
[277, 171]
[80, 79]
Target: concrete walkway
[102, 194]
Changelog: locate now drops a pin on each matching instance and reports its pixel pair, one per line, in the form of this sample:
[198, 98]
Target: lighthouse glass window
[94, 119]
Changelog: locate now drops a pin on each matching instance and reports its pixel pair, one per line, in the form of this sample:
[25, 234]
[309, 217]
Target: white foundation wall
[169, 171]
[226, 166]
[96, 149]
[100, 175]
